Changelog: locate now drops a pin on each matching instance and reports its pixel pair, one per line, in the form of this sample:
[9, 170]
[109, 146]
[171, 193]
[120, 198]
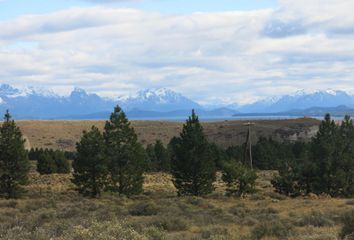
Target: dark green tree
[90, 165]
[287, 182]
[219, 155]
[193, 167]
[14, 163]
[61, 162]
[163, 162]
[239, 178]
[46, 163]
[322, 153]
[126, 156]
[151, 158]
[343, 169]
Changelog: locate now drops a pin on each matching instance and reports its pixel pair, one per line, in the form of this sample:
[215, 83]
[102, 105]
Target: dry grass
[52, 210]
[64, 134]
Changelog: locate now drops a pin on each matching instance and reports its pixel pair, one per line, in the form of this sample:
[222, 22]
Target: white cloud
[233, 56]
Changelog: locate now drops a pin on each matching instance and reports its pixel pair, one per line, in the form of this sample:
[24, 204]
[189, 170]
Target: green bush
[143, 209]
[103, 231]
[347, 232]
[171, 224]
[239, 178]
[316, 219]
[275, 228]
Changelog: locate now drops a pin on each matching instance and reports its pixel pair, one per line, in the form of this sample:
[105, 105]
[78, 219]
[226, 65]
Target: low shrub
[103, 231]
[347, 231]
[316, 219]
[277, 228]
[143, 209]
[171, 224]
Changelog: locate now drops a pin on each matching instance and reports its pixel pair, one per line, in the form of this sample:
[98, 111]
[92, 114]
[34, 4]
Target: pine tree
[61, 162]
[126, 157]
[151, 157]
[193, 168]
[163, 162]
[90, 165]
[323, 150]
[343, 169]
[46, 163]
[14, 163]
[239, 178]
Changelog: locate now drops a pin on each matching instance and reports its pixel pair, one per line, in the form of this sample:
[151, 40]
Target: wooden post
[249, 142]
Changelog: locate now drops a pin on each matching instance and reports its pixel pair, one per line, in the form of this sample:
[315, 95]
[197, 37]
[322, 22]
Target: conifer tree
[343, 169]
[90, 165]
[46, 163]
[163, 162]
[126, 157]
[323, 150]
[239, 178]
[193, 168]
[151, 158]
[14, 163]
[61, 162]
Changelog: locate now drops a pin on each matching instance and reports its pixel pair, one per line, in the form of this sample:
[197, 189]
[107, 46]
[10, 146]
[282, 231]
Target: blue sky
[231, 51]
[13, 8]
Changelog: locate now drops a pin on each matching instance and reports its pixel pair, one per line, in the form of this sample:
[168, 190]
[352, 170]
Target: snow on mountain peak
[38, 91]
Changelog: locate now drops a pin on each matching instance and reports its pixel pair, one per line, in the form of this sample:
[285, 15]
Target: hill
[64, 134]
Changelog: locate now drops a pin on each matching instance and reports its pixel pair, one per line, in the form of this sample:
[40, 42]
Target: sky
[225, 51]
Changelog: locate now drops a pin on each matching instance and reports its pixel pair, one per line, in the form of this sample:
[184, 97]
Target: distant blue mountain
[34, 103]
[300, 100]
[339, 111]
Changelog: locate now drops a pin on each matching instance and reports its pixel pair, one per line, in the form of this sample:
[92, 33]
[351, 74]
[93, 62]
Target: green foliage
[287, 181]
[347, 232]
[126, 157]
[322, 153]
[158, 157]
[14, 164]
[219, 155]
[275, 228]
[61, 162]
[239, 178]
[46, 163]
[49, 161]
[328, 167]
[90, 167]
[143, 209]
[193, 167]
[103, 231]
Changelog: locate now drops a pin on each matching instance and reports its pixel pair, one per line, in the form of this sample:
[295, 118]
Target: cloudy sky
[211, 51]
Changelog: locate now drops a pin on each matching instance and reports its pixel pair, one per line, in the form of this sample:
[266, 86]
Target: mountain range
[36, 103]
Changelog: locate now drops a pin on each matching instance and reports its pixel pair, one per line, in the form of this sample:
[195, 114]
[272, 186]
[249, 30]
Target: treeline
[326, 165]
[114, 161]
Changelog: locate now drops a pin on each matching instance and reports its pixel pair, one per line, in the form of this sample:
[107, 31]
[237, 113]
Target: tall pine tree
[90, 166]
[322, 152]
[126, 157]
[343, 169]
[193, 167]
[14, 163]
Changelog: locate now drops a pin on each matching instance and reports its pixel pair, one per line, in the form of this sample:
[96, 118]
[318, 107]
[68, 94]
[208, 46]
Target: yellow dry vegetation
[51, 209]
[64, 134]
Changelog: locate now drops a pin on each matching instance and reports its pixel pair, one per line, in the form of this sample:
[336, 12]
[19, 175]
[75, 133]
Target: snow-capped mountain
[37, 103]
[161, 100]
[300, 100]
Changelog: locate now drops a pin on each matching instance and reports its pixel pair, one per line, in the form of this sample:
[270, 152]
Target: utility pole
[249, 142]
